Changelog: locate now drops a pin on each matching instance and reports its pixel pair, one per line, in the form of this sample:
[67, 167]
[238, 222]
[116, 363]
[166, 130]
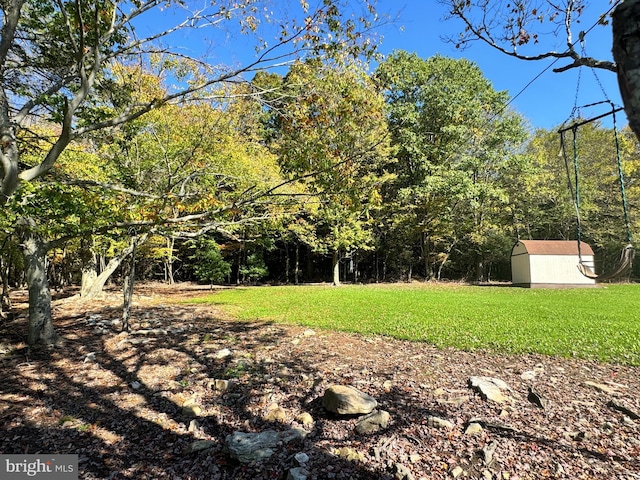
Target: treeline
[328, 173]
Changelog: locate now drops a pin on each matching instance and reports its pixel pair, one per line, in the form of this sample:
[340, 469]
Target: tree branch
[519, 23]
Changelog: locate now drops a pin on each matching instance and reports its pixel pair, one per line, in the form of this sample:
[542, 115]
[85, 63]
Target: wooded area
[122, 159]
[140, 141]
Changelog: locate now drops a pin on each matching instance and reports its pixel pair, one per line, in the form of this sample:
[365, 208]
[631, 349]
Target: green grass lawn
[595, 323]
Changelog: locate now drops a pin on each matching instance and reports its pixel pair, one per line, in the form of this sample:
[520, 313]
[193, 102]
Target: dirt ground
[131, 405]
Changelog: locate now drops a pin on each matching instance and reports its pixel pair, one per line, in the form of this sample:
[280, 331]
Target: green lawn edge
[590, 323]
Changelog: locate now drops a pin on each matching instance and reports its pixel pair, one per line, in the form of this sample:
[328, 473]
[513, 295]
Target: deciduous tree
[332, 134]
[454, 141]
[56, 67]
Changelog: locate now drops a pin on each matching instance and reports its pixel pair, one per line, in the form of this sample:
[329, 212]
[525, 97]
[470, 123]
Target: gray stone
[456, 472]
[617, 405]
[223, 353]
[199, 445]
[191, 410]
[297, 473]
[536, 398]
[150, 331]
[577, 436]
[349, 454]
[486, 452]
[403, 473]
[345, 400]
[438, 422]
[304, 418]
[301, 458]
[600, 387]
[473, 429]
[220, 384]
[490, 388]
[90, 357]
[275, 414]
[373, 422]
[250, 447]
[194, 426]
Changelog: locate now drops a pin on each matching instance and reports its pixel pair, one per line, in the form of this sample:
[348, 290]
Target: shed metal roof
[556, 247]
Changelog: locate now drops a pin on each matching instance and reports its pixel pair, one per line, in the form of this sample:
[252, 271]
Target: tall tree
[453, 141]
[333, 135]
[56, 67]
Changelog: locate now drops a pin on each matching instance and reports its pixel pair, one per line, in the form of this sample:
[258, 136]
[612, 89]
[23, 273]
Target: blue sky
[419, 28]
[548, 102]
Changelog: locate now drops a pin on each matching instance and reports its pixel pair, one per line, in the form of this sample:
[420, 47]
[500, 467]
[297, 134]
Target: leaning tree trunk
[89, 267]
[96, 287]
[626, 53]
[40, 322]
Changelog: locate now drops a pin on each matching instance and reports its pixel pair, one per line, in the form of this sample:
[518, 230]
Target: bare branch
[510, 26]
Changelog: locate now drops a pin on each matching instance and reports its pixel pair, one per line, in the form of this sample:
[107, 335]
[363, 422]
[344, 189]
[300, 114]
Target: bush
[209, 264]
[254, 269]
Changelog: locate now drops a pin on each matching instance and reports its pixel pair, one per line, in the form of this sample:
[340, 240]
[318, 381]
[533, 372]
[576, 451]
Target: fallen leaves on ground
[158, 402]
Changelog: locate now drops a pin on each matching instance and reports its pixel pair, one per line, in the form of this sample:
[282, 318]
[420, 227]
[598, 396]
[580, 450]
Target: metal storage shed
[550, 263]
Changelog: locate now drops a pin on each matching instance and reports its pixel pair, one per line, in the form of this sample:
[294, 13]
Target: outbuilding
[550, 263]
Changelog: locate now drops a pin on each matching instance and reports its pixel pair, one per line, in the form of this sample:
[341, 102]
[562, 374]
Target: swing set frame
[626, 256]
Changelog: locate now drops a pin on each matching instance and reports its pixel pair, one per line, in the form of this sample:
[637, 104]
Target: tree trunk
[5, 301]
[287, 263]
[384, 267]
[447, 255]
[309, 267]
[40, 322]
[127, 289]
[89, 267]
[626, 53]
[171, 243]
[426, 256]
[296, 274]
[356, 277]
[336, 268]
[94, 290]
[377, 265]
[444, 260]
[480, 270]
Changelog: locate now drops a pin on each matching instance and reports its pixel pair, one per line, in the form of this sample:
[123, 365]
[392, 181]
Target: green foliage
[332, 125]
[546, 206]
[332, 133]
[254, 267]
[208, 263]
[586, 323]
[455, 147]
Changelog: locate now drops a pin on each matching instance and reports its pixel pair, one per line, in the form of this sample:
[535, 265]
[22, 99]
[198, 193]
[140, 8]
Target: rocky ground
[174, 398]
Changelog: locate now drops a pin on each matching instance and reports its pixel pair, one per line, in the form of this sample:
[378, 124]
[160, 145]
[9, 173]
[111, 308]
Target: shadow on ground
[132, 405]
